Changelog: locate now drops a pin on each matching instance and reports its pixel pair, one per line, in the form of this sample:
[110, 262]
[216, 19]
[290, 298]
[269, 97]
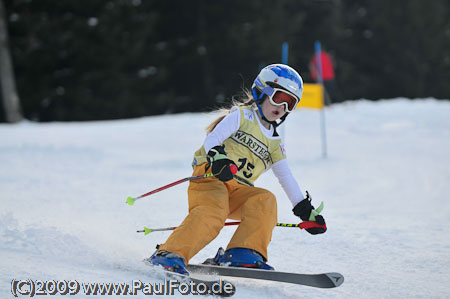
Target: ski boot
[170, 261]
[239, 257]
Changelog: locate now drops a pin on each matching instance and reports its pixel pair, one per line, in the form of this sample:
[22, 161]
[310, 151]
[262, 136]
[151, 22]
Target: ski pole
[131, 200]
[301, 225]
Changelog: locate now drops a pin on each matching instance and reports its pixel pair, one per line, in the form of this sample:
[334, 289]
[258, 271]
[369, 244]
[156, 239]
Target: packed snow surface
[385, 184]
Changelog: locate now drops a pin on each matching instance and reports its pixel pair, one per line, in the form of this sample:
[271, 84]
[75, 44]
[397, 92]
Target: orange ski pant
[211, 202]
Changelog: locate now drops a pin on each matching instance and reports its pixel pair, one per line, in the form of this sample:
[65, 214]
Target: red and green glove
[316, 224]
[222, 167]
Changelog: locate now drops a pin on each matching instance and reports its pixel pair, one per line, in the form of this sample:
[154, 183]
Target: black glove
[304, 210]
[221, 167]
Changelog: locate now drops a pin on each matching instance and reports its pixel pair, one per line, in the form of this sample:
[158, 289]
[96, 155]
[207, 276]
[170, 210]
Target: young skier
[245, 138]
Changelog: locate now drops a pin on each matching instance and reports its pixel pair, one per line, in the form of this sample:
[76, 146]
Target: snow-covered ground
[385, 185]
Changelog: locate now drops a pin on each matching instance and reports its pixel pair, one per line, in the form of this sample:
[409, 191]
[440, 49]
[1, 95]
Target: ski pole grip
[233, 169]
[310, 224]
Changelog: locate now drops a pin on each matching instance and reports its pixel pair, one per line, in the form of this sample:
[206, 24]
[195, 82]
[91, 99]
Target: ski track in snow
[385, 186]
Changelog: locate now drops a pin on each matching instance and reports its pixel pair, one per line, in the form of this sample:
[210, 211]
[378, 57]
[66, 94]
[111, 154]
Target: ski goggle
[277, 96]
[282, 97]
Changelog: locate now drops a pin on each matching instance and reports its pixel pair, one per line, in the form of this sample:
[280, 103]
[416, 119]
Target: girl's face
[272, 112]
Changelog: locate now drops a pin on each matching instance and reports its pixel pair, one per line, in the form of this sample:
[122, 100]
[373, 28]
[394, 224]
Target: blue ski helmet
[277, 76]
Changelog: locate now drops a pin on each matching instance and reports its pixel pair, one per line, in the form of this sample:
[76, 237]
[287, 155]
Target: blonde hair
[245, 99]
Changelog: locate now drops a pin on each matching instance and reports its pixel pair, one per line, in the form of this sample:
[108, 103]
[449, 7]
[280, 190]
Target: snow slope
[385, 185]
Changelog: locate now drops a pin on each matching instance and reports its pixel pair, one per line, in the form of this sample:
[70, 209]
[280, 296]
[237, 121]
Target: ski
[323, 280]
[186, 284]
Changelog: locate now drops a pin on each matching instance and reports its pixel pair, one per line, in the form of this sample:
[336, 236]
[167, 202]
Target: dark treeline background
[108, 59]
